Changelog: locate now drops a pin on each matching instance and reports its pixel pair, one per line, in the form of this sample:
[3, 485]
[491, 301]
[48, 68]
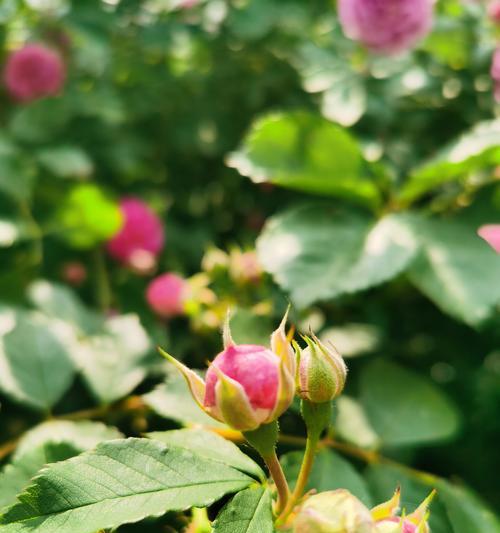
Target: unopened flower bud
[321, 372]
[246, 385]
[167, 295]
[35, 71]
[491, 234]
[386, 26]
[387, 521]
[335, 511]
[141, 231]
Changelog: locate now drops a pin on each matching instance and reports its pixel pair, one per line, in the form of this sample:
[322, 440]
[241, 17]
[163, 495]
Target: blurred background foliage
[369, 178]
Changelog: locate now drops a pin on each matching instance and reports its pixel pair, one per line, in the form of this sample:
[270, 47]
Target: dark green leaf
[405, 408]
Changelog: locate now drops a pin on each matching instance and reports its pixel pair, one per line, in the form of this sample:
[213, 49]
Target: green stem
[274, 466]
[305, 471]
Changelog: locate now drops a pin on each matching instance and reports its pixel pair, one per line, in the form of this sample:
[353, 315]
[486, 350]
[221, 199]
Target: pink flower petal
[491, 234]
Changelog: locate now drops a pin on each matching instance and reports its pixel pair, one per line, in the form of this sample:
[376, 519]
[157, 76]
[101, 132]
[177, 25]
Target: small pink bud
[494, 11]
[74, 273]
[333, 511]
[495, 74]
[386, 26]
[246, 385]
[322, 371]
[167, 294]
[491, 234]
[34, 71]
[142, 230]
[244, 267]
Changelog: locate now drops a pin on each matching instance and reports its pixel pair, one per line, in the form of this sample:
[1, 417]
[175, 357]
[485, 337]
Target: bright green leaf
[317, 253]
[405, 408]
[211, 446]
[307, 153]
[121, 481]
[248, 512]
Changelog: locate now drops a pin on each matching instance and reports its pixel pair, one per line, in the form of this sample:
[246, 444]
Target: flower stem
[305, 471]
[274, 466]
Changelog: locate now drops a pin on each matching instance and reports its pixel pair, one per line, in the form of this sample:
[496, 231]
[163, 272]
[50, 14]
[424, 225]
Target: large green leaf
[330, 472]
[15, 477]
[35, 367]
[248, 512]
[475, 150]
[210, 445]
[457, 270]
[307, 153]
[405, 408]
[317, 253]
[122, 481]
[49, 442]
[466, 512]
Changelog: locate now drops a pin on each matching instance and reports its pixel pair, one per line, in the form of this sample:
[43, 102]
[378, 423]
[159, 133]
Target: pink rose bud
[387, 521]
[494, 11]
[246, 385]
[244, 267]
[322, 371]
[491, 234]
[495, 74]
[74, 273]
[386, 26]
[333, 511]
[34, 71]
[167, 295]
[142, 231]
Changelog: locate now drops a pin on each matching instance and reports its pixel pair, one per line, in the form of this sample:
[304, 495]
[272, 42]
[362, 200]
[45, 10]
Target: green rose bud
[321, 371]
[336, 511]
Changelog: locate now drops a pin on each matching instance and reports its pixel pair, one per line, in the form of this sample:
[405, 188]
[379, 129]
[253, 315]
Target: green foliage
[121, 481]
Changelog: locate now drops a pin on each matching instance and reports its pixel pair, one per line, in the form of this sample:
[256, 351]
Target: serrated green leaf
[15, 477]
[35, 367]
[405, 408]
[457, 270]
[249, 511]
[330, 472]
[211, 446]
[317, 253]
[307, 153]
[121, 481]
[475, 150]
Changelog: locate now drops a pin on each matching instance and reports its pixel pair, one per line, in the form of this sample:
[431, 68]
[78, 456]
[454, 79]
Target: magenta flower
[142, 231]
[495, 74]
[246, 385]
[491, 234]
[386, 26]
[166, 295]
[34, 72]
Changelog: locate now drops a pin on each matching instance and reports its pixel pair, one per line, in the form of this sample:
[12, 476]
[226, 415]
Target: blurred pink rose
[491, 234]
[142, 231]
[495, 74]
[34, 71]
[386, 26]
[494, 11]
[166, 295]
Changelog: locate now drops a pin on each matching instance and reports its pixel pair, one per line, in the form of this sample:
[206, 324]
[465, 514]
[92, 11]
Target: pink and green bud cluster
[386, 26]
[340, 512]
[246, 385]
[321, 372]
